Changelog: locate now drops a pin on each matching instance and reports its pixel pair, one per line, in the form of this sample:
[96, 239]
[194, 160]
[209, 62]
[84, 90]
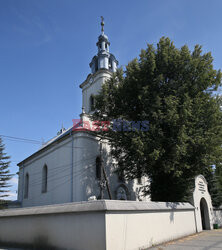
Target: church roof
[60, 135]
[48, 143]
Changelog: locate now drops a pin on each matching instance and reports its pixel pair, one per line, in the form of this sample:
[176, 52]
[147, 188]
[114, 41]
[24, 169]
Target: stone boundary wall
[96, 225]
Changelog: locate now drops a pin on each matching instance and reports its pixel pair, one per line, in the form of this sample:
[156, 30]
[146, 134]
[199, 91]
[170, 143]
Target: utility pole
[103, 177]
[102, 186]
[107, 183]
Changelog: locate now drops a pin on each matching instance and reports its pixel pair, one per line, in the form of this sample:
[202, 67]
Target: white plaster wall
[137, 230]
[58, 161]
[98, 225]
[88, 184]
[93, 89]
[217, 216]
[79, 231]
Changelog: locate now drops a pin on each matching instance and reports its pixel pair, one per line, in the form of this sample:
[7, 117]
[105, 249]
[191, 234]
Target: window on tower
[26, 193]
[110, 64]
[96, 64]
[92, 103]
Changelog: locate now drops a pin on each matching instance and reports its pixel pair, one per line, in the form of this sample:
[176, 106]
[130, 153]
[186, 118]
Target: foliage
[215, 186]
[173, 89]
[5, 175]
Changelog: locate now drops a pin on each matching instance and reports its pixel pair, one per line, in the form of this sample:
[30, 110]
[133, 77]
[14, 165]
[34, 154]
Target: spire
[103, 59]
[102, 25]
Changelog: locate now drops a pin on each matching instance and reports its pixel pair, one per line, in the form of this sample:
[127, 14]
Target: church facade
[76, 165]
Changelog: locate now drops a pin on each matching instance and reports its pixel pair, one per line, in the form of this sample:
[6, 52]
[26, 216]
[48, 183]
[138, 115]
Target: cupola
[103, 59]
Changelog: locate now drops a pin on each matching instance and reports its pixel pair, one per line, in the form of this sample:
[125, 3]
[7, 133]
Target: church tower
[102, 66]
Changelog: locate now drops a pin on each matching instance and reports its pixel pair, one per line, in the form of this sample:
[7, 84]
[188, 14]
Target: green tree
[173, 89]
[5, 175]
[215, 186]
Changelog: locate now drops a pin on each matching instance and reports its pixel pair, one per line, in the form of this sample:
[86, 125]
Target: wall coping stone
[97, 206]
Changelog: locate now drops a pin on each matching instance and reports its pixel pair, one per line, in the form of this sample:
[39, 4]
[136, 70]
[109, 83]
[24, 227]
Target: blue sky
[46, 47]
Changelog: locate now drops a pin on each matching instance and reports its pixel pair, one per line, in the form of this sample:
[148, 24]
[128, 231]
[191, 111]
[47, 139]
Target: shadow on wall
[91, 184]
[40, 242]
[173, 206]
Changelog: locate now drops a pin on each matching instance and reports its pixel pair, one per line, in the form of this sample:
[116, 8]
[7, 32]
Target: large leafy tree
[174, 89]
[5, 175]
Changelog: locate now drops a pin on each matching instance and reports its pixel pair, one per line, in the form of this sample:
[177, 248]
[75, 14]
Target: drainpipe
[71, 168]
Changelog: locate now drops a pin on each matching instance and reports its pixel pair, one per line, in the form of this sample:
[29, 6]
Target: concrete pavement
[203, 241]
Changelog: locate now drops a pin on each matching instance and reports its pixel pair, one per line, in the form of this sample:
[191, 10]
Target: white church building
[68, 167]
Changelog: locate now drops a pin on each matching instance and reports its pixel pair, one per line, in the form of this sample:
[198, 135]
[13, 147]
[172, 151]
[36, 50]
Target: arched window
[98, 167]
[121, 176]
[26, 193]
[92, 102]
[44, 179]
[96, 64]
[110, 64]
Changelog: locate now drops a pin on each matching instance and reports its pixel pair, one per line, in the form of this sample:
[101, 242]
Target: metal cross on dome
[102, 24]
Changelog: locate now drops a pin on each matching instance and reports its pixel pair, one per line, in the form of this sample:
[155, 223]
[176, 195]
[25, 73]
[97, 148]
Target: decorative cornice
[94, 75]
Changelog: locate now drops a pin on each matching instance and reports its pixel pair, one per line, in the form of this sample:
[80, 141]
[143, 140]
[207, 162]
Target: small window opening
[92, 103]
[96, 65]
[26, 193]
[121, 176]
[110, 64]
[44, 179]
[98, 167]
